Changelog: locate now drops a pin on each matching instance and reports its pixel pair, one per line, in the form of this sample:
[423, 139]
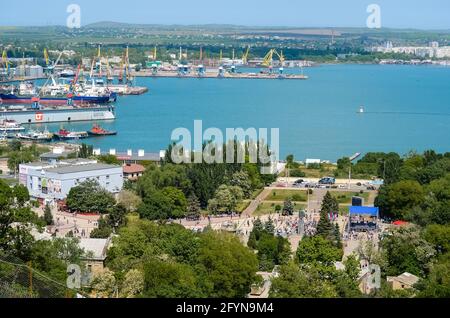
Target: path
[255, 203]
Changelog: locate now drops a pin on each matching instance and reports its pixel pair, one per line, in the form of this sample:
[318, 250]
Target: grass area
[346, 197]
[269, 207]
[325, 170]
[256, 193]
[281, 195]
[242, 206]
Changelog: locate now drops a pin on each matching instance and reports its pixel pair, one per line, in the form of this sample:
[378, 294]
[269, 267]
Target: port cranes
[268, 59]
[5, 74]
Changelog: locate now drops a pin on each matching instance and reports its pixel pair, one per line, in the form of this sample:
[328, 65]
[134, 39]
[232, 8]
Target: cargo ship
[26, 93]
[26, 114]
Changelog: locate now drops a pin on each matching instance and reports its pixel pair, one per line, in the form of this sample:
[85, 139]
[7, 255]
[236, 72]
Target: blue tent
[364, 210]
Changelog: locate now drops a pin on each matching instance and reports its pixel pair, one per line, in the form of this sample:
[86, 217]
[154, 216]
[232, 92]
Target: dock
[215, 74]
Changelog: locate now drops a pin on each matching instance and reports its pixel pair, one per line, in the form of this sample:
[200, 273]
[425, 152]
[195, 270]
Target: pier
[216, 74]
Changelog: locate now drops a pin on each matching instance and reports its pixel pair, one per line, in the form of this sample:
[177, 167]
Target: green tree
[241, 179]
[228, 267]
[165, 279]
[163, 204]
[437, 284]
[48, 217]
[193, 208]
[396, 199]
[227, 198]
[21, 194]
[108, 159]
[288, 207]
[406, 251]
[295, 282]
[89, 196]
[317, 250]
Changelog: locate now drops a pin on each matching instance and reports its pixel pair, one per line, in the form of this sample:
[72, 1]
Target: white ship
[25, 114]
[10, 125]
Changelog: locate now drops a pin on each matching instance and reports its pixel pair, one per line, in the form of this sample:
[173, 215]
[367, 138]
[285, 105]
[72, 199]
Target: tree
[48, 217]
[295, 282]
[227, 198]
[396, 199]
[329, 204]
[89, 196]
[163, 204]
[117, 217]
[288, 207]
[406, 251]
[157, 178]
[346, 282]
[344, 164]
[129, 199]
[166, 279]
[133, 283]
[438, 235]
[324, 226]
[228, 268]
[269, 227]
[317, 250]
[108, 159]
[193, 208]
[104, 284]
[337, 236]
[437, 284]
[21, 194]
[241, 179]
[85, 151]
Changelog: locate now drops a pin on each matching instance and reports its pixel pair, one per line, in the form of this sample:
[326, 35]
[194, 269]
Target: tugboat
[64, 134]
[99, 131]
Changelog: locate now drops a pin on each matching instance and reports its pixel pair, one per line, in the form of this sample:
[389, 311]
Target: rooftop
[405, 278]
[97, 247]
[81, 168]
[133, 168]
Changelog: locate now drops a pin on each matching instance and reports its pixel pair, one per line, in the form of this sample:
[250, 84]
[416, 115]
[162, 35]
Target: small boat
[67, 73]
[9, 125]
[36, 135]
[99, 131]
[361, 110]
[65, 134]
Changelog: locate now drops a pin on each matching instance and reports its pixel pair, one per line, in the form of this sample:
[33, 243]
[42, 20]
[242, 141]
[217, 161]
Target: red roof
[133, 168]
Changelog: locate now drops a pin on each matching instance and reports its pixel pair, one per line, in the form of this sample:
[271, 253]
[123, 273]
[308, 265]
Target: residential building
[403, 281]
[132, 171]
[94, 253]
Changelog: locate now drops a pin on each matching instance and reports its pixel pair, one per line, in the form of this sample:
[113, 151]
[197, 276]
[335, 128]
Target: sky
[419, 14]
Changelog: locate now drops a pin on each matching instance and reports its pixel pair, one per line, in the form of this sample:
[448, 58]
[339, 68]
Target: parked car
[327, 180]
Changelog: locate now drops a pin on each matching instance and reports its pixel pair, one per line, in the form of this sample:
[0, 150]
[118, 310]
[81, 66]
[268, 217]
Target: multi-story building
[53, 181]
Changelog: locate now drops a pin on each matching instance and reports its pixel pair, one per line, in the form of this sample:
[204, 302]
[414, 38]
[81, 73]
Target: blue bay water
[406, 108]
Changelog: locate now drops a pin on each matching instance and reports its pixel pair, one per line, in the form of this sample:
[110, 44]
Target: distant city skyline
[417, 14]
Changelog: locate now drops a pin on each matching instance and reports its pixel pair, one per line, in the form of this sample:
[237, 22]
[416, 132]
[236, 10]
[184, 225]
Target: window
[107, 177]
